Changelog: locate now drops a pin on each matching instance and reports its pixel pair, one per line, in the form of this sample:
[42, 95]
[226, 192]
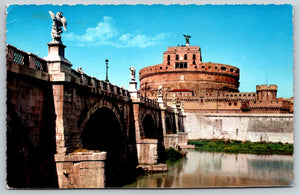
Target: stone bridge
[69, 130]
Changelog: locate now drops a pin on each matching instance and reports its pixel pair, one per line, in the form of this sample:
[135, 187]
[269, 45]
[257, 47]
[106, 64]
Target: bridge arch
[170, 125]
[103, 131]
[102, 104]
[149, 126]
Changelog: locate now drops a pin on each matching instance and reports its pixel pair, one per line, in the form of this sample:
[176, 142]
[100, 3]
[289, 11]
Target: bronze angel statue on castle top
[58, 22]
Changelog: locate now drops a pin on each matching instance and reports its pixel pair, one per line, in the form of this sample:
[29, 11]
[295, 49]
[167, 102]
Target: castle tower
[183, 73]
[266, 93]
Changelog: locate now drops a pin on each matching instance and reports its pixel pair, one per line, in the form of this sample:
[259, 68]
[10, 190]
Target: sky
[258, 39]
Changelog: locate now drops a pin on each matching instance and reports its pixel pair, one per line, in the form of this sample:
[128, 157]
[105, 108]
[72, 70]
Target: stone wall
[147, 151]
[81, 169]
[250, 127]
[171, 141]
[30, 128]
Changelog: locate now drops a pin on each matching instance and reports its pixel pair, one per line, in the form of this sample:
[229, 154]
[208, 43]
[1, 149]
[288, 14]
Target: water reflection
[205, 169]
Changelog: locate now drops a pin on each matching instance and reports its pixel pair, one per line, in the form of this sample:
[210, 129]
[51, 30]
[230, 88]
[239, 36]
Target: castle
[209, 95]
[206, 87]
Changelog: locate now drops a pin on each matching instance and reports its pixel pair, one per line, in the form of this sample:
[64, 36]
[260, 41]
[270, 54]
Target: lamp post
[106, 62]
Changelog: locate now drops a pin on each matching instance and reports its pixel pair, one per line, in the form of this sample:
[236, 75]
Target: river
[212, 169]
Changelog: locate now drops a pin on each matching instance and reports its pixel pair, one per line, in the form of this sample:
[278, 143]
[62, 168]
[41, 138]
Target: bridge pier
[81, 169]
[77, 169]
[146, 148]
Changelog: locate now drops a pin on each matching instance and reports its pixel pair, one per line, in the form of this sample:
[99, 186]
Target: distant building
[206, 87]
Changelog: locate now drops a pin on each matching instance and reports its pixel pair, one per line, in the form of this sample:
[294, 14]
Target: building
[206, 87]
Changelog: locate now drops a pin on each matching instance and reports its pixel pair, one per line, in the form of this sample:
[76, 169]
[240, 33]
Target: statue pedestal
[56, 58]
[56, 48]
[132, 86]
[58, 66]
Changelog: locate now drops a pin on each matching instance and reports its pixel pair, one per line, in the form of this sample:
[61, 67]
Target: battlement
[266, 88]
[206, 68]
[183, 48]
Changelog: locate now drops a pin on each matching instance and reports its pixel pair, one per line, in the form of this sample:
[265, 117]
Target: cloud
[139, 40]
[40, 15]
[102, 34]
[105, 33]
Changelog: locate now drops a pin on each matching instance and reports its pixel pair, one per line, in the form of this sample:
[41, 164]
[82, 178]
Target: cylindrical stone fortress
[182, 68]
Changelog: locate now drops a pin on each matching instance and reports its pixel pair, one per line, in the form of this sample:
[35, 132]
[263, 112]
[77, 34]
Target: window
[168, 57]
[180, 65]
[202, 66]
[231, 69]
[168, 62]
[216, 67]
[177, 57]
[185, 56]
[194, 56]
[237, 71]
[223, 68]
[194, 62]
[229, 103]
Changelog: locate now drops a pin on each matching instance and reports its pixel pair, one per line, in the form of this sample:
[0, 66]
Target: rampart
[244, 127]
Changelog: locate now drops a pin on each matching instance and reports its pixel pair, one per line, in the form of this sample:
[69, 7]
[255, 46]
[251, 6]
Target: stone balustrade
[149, 102]
[83, 79]
[22, 58]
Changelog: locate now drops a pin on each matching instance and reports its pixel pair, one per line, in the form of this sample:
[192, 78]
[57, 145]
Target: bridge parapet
[81, 78]
[149, 102]
[169, 109]
[16, 56]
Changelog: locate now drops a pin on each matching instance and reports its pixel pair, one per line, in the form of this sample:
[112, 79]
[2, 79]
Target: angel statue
[187, 39]
[58, 22]
[160, 90]
[132, 71]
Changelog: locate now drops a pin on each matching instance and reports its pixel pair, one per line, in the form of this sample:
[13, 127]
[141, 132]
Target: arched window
[194, 56]
[177, 57]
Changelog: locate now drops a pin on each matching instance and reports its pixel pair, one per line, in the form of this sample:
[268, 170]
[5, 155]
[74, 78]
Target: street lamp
[106, 62]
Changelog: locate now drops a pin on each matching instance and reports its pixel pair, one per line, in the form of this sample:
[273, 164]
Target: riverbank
[234, 146]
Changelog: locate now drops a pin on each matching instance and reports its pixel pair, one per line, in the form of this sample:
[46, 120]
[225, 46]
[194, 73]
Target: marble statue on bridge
[58, 22]
[132, 71]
